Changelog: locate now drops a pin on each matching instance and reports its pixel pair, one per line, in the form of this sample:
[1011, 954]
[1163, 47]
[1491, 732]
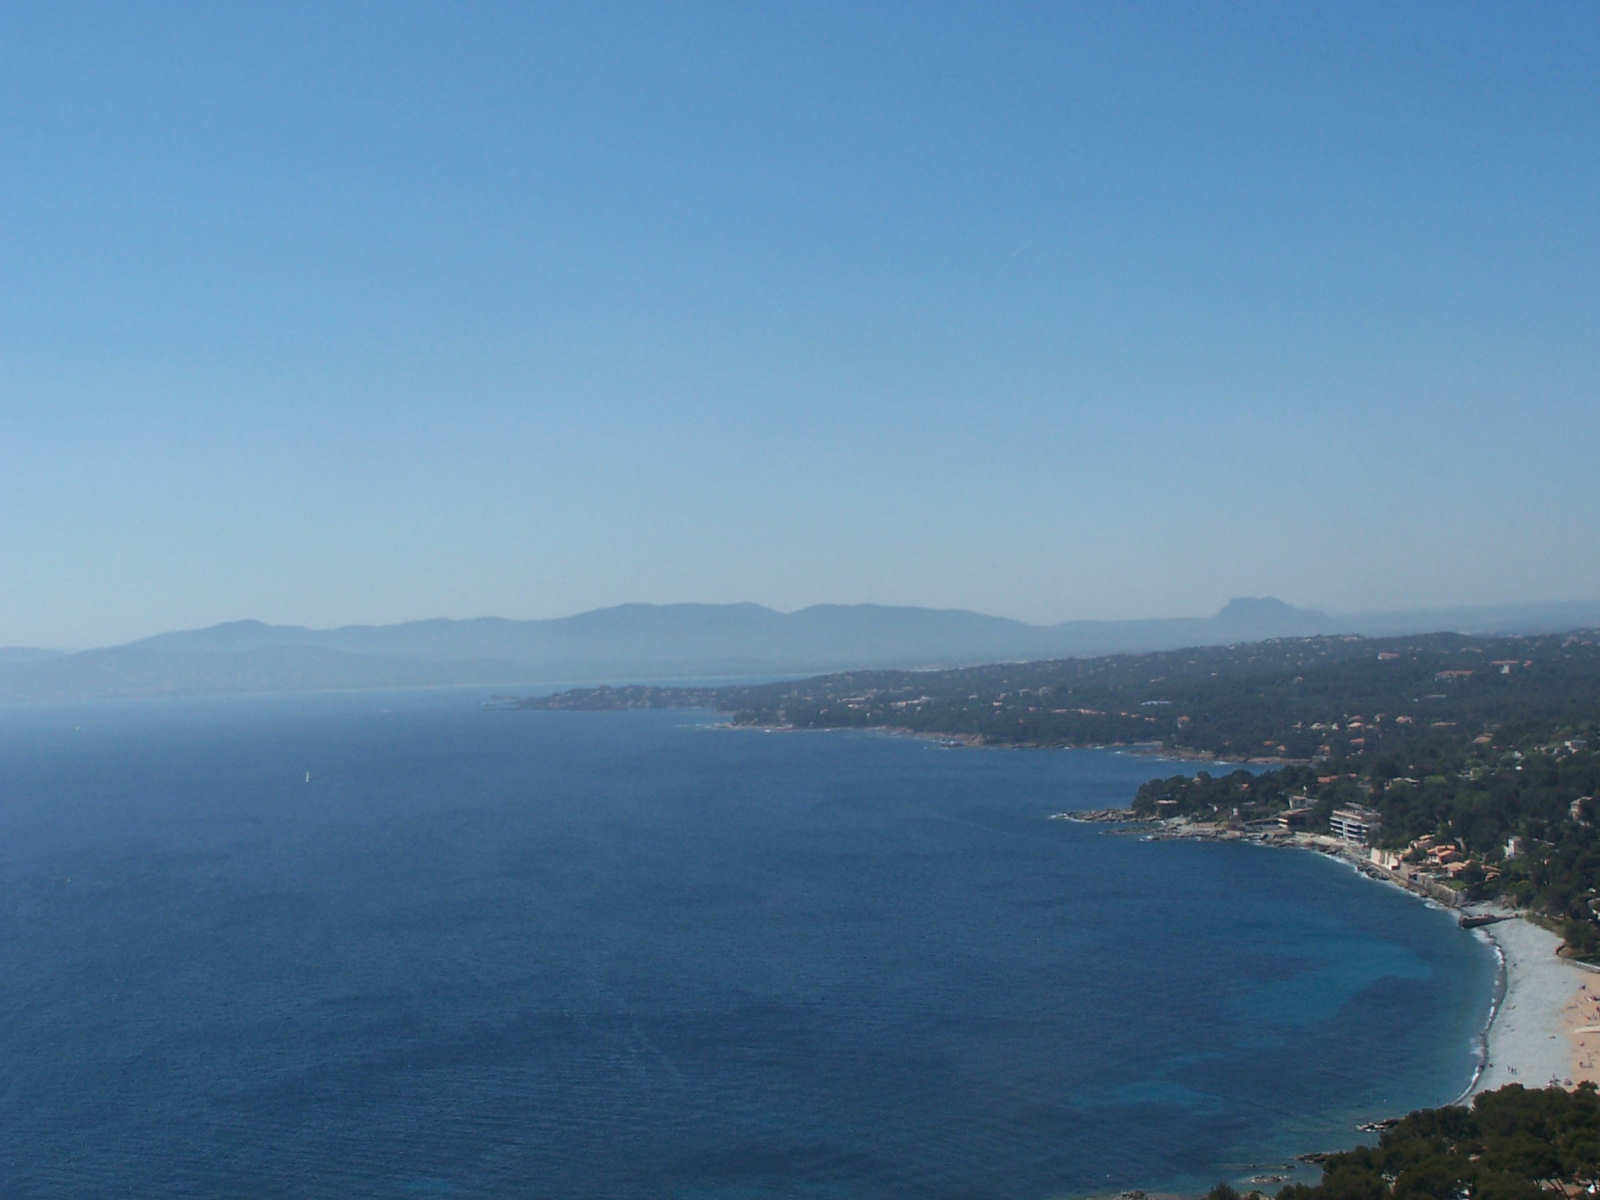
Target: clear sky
[330, 313]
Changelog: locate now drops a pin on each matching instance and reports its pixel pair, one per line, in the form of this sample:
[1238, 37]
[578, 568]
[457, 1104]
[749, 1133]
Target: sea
[398, 944]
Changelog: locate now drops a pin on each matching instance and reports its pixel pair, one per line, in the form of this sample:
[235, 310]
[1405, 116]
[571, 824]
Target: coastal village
[1431, 865]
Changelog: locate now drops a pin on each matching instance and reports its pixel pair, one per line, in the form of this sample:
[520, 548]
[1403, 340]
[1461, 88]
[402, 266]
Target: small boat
[308, 776]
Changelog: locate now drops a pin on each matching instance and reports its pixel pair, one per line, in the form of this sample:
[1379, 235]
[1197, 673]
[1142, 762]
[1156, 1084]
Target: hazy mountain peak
[244, 634]
[1267, 615]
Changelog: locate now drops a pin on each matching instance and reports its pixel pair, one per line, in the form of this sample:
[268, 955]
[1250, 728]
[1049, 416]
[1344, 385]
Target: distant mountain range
[675, 641]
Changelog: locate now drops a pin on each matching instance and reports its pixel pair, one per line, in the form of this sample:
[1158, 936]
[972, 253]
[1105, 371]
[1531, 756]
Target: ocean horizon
[396, 944]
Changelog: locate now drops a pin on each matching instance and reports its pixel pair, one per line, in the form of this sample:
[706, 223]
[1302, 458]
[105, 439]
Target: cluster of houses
[1435, 856]
[1423, 859]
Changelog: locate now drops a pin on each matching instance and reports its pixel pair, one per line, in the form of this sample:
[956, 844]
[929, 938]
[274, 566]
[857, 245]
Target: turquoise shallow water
[510, 954]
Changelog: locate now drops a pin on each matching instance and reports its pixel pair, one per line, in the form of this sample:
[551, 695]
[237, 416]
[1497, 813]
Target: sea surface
[515, 954]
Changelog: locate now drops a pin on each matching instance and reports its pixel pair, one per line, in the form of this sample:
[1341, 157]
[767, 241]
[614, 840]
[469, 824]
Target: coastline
[977, 741]
[1543, 1023]
[1543, 1026]
[1544, 1018]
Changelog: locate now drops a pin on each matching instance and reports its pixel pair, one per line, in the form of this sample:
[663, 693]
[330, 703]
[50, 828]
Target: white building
[1354, 824]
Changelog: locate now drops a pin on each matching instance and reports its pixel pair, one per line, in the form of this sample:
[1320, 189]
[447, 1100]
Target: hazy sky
[325, 313]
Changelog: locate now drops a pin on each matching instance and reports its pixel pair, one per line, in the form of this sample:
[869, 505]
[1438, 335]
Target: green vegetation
[1416, 699]
[1512, 1144]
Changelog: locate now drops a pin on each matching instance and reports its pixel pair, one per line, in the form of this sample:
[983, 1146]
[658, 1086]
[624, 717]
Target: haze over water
[502, 954]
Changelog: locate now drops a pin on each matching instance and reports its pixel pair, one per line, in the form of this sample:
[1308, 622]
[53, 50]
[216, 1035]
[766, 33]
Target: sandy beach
[1582, 1027]
[1532, 1039]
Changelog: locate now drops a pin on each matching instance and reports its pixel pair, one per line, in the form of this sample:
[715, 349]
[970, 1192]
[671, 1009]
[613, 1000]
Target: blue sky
[366, 312]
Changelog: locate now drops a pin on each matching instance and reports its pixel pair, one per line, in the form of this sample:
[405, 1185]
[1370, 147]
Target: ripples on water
[513, 954]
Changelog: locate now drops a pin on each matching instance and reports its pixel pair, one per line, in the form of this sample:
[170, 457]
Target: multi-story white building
[1354, 824]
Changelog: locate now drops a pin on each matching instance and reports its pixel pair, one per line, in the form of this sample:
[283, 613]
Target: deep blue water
[562, 955]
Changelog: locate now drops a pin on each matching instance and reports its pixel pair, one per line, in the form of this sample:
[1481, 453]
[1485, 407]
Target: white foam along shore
[1529, 1039]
